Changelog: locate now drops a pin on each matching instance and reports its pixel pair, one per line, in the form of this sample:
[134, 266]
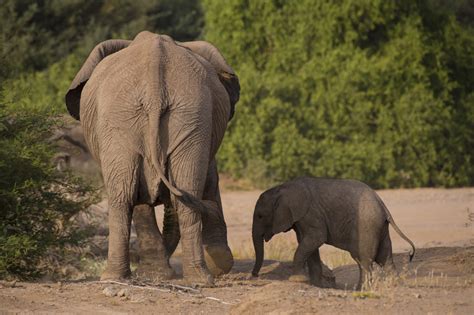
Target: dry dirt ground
[439, 280]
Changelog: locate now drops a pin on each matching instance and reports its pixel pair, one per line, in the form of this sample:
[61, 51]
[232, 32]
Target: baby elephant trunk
[257, 237]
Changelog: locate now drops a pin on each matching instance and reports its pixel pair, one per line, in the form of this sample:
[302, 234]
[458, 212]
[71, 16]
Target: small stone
[123, 293]
[418, 295]
[110, 291]
[137, 299]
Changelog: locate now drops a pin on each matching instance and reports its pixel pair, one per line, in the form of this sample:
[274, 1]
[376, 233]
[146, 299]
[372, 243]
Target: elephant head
[276, 211]
[226, 75]
[102, 50]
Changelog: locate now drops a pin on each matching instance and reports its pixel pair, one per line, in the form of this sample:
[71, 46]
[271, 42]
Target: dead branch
[168, 288]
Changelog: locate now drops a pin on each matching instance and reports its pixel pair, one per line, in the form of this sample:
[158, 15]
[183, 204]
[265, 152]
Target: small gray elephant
[346, 214]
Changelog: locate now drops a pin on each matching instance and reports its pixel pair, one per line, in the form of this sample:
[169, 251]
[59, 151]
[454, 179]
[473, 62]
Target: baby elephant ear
[102, 50]
[292, 206]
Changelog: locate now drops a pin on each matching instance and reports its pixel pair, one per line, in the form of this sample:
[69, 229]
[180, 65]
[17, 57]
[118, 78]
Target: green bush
[42, 91]
[36, 34]
[37, 202]
[375, 90]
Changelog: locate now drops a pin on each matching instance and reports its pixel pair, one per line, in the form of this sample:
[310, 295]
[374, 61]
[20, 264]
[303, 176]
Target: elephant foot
[154, 272]
[115, 274]
[198, 276]
[219, 259]
[299, 278]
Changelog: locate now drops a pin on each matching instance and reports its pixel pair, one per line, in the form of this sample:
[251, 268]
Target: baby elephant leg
[319, 274]
[365, 271]
[384, 255]
[315, 269]
[305, 249]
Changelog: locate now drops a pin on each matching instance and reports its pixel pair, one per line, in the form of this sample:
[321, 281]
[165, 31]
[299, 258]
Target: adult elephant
[154, 112]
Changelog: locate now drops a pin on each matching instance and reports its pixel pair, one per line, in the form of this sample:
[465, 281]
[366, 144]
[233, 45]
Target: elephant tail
[183, 196]
[396, 228]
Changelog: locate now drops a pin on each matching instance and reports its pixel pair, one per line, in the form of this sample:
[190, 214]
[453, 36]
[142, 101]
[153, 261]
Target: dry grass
[334, 257]
[282, 248]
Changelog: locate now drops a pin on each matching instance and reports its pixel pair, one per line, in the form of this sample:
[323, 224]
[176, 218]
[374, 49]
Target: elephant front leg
[171, 234]
[319, 274]
[154, 259]
[305, 248]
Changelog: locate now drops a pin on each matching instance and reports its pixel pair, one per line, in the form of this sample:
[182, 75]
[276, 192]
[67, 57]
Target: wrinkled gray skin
[346, 214]
[154, 112]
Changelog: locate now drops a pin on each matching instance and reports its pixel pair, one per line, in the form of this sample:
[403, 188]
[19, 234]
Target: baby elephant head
[276, 211]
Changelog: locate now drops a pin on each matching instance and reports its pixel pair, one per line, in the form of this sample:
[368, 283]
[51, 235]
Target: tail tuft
[191, 201]
[412, 254]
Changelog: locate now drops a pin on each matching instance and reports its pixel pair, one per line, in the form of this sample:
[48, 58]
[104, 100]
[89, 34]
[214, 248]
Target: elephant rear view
[154, 112]
[346, 214]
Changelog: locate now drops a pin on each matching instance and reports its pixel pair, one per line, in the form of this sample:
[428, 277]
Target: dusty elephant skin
[154, 112]
[344, 213]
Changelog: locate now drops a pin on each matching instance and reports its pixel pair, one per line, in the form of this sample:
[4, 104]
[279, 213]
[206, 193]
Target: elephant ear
[226, 75]
[291, 206]
[102, 50]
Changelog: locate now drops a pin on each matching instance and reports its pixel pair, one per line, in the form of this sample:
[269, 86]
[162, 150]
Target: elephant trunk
[257, 237]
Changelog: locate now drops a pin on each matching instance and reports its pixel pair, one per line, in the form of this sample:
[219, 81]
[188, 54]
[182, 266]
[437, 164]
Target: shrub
[374, 90]
[37, 202]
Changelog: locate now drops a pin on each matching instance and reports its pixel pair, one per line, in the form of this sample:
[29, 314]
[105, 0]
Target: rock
[123, 293]
[137, 298]
[417, 295]
[8, 284]
[110, 291]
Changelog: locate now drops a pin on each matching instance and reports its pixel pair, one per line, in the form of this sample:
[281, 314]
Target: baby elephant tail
[396, 228]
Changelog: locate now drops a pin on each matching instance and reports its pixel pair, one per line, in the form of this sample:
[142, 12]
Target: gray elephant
[154, 112]
[346, 214]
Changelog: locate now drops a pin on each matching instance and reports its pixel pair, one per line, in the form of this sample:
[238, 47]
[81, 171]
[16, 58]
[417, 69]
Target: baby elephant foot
[155, 272]
[115, 274]
[298, 278]
[218, 259]
[198, 276]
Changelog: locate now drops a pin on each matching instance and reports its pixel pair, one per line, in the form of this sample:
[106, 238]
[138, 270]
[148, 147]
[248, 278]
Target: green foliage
[42, 91]
[379, 91]
[37, 202]
[35, 34]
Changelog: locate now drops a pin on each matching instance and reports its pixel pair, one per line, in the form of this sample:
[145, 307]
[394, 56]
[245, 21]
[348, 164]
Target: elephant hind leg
[217, 253]
[120, 178]
[384, 253]
[365, 272]
[154, 259]
[189, 174]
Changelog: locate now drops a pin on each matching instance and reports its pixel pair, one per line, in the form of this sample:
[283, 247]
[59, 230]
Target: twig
[143, 287]
[169, 288]
[218, 300]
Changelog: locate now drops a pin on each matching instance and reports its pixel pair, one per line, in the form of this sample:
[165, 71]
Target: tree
[372, 90]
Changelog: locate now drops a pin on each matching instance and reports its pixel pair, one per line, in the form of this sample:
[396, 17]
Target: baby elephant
[347, 214]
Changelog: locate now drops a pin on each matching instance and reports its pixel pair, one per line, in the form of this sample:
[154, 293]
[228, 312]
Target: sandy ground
[439, 280]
